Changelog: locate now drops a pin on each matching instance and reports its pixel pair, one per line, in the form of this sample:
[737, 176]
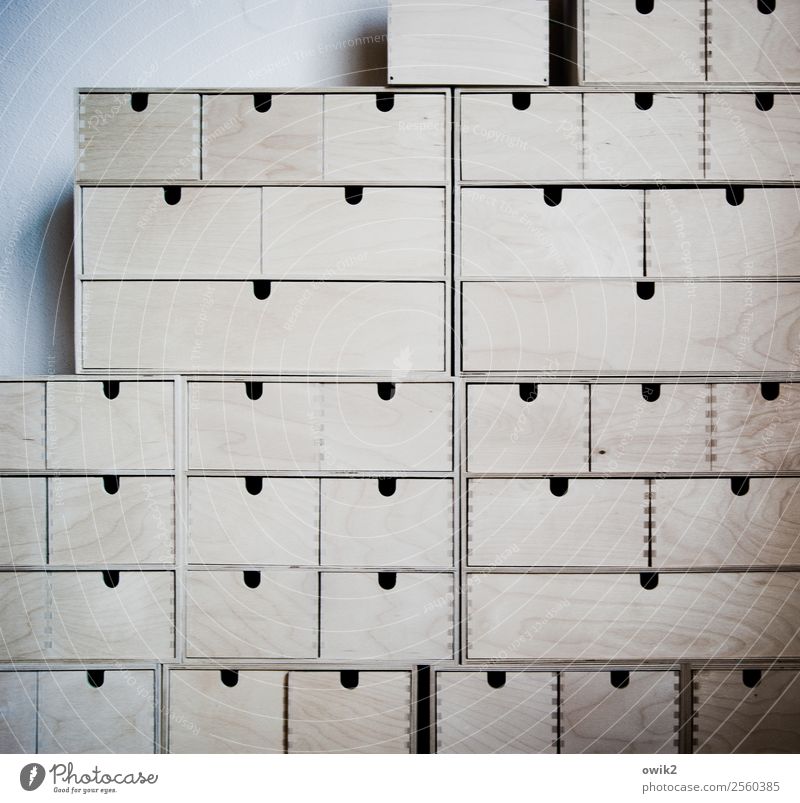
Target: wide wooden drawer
[22, 427]
[633, 616]
[386, 616]
[171, 231]
[23, 521]
[17, 712]
[138, 136]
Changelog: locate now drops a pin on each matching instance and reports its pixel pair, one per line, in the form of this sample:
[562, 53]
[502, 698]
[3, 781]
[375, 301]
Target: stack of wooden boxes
[426, 419]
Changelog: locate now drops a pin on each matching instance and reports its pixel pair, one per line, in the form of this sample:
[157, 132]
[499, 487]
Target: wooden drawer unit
[521, 136]
[753, 137]
[17, 712]
[138, 136]
[349, 712]
[460, 42]
[387, 522]
[269, 327]
[254, 520]
[116, 425]
[386, 616]
[22, 428]
[252, 614]
[651, 428]
[736, 521]
[633, 616]
[369, 232]
[327, 426]
[171, 231]
[746, 711]
[496, 712]
[23, 521]
[551, 232]
[619, 712]
[718, 233]
[262, 137]
[557, 522]
[226, 711]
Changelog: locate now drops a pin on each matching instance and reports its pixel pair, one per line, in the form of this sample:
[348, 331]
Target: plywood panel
[23, 520]
[17, 712]
[22, 425]
[24, 602]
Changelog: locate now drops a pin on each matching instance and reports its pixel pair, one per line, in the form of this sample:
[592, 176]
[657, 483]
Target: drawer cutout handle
[111, 578]
[766, 6]
[559, 486]
[770, 390]
[229, 677]
[387, 486]
[349, 678]
[111, 484]
[644, 101]
[528, 391]
[252, 579]
[496, 679]
[172, 196]
[645, 6]
[648, 580]
[740, 486]
[262, 289]
[354, 195]
[139, 101]
[651, 392]
[751, 677]
[620, 678]
[645, 290]
[254, 485]
[386, 390]
[262, 102]
[387, 580]
[111, 388]
[384, 101]
[734, 196]
[765, 101]
[254, 390]
[553, 195]
[95, 677]
[521, 101]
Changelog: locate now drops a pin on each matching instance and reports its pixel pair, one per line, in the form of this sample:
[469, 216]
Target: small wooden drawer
[111, 519]
[138, 137]
[369, 232]
[718, 233]
[752, 41]
[391, 136]
[557, 522]
[262, 137]
[96, 711]
[653, 427]
[496, 712]
[633, 616]
[552, 232]
[753, 137]
[619, 712]
[521, 136]
[461, 42]
[252, 614]
[254, 520]
[736, 521]
[111, 424]
[387, 522]
[17, 712]
[22, 426]
[226, 711]
[23, 521]
[386, 616]
[264, 327]
[527, 427]
[746, 711]
[630, 42]
[349, 712]
[643, 136]
[341, 426]
[755, 427]
[171, 231]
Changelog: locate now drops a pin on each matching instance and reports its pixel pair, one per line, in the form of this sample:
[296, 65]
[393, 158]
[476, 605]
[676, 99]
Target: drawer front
[750, 711]
[257, 520]
[507, 137]
[228, 711]
[704, 233]
[327, 716]
[78, 716]
[496, 712]
[726, 522]
[158, 142]
[24, 601]
[750, 46]
[396, 137]
[544, 522]
[23, 520]
[686, 616]
[387, 522]
[22, 426]
[387, 616]
[301, 327]
[619, 712]
[527, 427]
[275, 616]
[537, 233]
[110, 520]
[17, 712]
[262, 137]
[623, 142]
[160, 231]
[753, 139]
[653, 428]
[110, 425]
[372, 232]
